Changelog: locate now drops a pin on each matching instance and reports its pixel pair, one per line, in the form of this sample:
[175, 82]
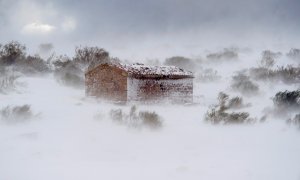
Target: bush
[287, 100]
[218, 114]
[268, 58]
[236, 103]
[11, 53]
[33, 65]
[136, 119]
[150, 119]
[68, 73]
[288, 74]
[117, 115]
[294, 54]
[208, 75]
[244, 85]
[226, 54]
[89, 57]
[294, 121]
[16, 113]
[7, 81]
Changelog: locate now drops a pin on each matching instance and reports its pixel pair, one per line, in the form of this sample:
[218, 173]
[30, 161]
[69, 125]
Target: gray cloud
[118, 23]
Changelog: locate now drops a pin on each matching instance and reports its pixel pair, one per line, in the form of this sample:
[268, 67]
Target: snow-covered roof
[145, 71]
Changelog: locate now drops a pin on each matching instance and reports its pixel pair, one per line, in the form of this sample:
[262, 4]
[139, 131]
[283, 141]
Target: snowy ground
[73, 137]
[67, 142]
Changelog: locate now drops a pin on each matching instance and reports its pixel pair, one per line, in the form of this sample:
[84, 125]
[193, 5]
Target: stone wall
[173, 90]
[114, 84]
[107, 82]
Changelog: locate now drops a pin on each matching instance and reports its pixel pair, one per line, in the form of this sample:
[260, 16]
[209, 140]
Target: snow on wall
[173, 90]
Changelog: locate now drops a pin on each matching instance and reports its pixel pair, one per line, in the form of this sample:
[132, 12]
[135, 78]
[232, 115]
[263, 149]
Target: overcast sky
[136, 28]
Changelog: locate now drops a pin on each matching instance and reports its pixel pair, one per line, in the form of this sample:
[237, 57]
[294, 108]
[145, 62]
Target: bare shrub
[135, 119]
[261, 73]
[294, 54]
[12, 52]
[268, 58]
[218, 115]
[287, 100]
[288, 74]
[226, 54]
[244, 85]
[208, 75]
[150, 119]
[68, 73]
[89, 57]
[117, 115]
[294, 121]
[7, 81]
[33, 65]
[16, 113]
[237, 103]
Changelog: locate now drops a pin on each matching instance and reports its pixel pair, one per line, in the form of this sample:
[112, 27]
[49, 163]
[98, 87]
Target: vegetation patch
[268, 58]
[289, 74]
[219, 114]
[227, 54]
[16, 113]
[13, 54]
[244, 85]
[208, 75]
[137, 119]
[294, 54]
[288, 100]
[295, 121]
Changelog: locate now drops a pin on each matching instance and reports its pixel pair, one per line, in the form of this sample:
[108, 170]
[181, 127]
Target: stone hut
[137, 82]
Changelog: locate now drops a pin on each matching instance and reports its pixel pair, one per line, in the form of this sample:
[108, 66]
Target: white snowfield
[73, 138]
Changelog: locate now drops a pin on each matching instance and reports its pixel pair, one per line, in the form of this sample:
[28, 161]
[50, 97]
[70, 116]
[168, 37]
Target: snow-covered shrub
[244, 85]
[16, 113]
[218, 114]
